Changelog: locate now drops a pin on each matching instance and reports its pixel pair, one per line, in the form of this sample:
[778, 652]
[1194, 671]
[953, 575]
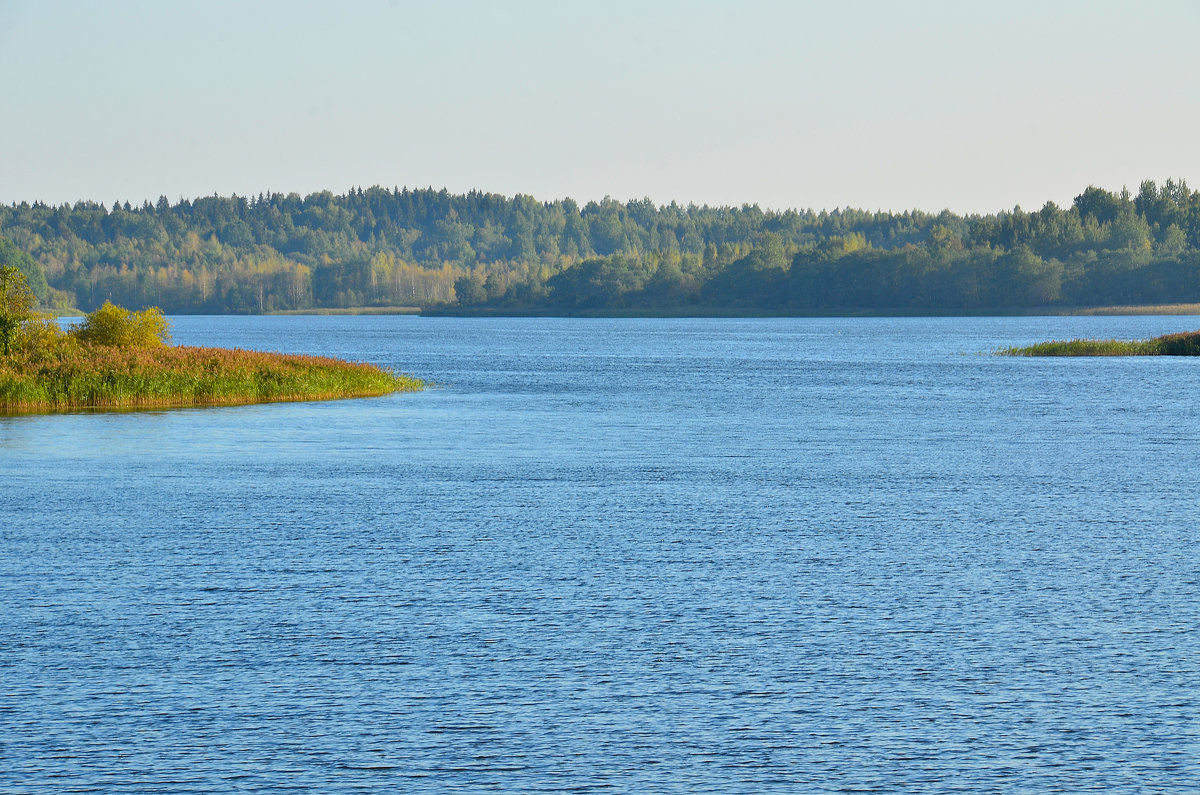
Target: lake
[695, 555]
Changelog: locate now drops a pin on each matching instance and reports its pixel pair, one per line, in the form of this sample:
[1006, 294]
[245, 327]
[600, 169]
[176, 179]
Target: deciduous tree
[16, 303]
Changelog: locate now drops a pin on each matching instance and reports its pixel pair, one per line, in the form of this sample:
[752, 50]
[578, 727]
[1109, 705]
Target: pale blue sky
[975, 106]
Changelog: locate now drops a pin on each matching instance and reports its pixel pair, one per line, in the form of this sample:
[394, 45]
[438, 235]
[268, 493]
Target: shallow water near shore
[670, 555]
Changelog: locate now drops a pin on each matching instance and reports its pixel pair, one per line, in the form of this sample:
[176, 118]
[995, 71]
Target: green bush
[118, 327]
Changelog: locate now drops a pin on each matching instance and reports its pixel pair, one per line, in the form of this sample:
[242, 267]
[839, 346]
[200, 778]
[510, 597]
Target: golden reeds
[76, 376]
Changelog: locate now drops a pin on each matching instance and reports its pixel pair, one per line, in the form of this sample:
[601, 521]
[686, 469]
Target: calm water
[627, 555]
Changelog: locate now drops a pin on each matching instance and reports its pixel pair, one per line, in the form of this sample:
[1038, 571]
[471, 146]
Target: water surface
[771, 555]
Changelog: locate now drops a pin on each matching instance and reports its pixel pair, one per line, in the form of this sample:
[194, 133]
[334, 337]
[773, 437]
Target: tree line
[486, 252]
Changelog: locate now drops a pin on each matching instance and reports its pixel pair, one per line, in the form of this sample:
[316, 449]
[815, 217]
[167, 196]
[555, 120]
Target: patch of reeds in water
[96, 376]
[1183, 344]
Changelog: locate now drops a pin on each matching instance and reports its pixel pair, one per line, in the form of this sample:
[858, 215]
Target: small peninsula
[119, 359]
[1181, 344]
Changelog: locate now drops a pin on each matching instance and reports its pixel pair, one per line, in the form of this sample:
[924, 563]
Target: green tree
[1099, 204]
[16, 303]
[759, 279]
[1130, 231]
[34, 275]
[1173, 243]
[470, 289]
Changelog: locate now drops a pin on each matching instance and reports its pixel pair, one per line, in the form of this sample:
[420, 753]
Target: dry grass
[1140, 309]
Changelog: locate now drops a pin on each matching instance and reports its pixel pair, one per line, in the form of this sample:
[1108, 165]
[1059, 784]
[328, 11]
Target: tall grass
[1183, 344]
[97, 376]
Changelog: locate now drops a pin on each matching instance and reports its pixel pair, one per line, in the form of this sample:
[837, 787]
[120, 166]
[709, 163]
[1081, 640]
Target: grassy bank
[97, 376]
[1183, 344]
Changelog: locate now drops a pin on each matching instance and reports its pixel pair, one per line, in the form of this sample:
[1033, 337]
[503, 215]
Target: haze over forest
[379, 247]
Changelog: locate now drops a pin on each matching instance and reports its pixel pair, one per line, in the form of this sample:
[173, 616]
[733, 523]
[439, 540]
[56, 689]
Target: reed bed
[1183, 344]
[1139, 309]
[86, 376]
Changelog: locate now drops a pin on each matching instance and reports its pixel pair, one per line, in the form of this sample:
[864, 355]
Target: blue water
[752, 556]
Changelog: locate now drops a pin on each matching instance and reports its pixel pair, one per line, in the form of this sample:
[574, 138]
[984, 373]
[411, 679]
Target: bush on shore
[120, 327]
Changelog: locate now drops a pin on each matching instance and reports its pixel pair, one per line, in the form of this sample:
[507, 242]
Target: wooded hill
[428, 248]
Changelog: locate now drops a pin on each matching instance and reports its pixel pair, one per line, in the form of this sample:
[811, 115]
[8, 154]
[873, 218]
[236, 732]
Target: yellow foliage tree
[123, 328]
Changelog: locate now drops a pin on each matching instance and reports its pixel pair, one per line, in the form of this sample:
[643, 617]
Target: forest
[486, 253]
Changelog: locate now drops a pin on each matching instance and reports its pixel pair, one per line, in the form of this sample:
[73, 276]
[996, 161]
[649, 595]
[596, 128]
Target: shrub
[118, 327]
[40, 337]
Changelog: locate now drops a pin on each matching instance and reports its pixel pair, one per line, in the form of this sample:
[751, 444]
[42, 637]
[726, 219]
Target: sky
[971, 106]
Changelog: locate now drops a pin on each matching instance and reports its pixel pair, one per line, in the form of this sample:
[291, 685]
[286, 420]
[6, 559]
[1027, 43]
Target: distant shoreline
[1131, 310]
[389, 251]
[726, 312]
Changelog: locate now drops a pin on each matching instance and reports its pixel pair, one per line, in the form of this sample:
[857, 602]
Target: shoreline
[1133, 310]
[1124, 310]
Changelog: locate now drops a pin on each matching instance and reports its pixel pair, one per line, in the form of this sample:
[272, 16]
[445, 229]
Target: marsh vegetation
[1181, 344]
[117, 358]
